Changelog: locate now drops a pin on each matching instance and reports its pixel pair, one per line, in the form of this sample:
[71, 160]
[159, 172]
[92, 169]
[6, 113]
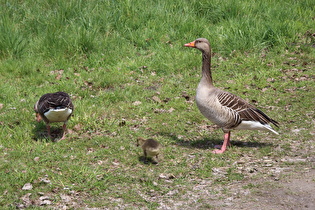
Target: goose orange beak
[190, 44]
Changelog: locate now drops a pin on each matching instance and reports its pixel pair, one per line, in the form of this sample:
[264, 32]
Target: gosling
[151, 149]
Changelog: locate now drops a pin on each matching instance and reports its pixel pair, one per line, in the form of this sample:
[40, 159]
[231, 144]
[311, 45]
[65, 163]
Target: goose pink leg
[226, 143]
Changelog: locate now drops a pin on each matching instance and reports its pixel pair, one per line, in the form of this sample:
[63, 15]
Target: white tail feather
[254, 125]
[58, 115]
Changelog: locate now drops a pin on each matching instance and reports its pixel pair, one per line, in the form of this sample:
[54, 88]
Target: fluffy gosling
[151, 149]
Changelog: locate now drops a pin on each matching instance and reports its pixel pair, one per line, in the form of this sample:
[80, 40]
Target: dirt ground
[278, 188]
[297, 191]
[268, 184]
[292, 190]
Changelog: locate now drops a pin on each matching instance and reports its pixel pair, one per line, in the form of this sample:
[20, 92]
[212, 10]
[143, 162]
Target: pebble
[42, 198]
[27, 186]
[45, 180]
[166, 176]
[65, 198]
[268, 165]
[45, 202]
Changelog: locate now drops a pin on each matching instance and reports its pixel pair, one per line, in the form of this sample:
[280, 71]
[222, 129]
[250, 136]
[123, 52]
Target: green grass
[110, 55]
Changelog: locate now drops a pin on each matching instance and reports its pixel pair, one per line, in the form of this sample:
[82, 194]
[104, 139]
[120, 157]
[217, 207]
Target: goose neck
[206, 68]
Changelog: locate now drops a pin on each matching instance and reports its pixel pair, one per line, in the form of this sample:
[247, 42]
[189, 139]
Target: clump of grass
[12, 40]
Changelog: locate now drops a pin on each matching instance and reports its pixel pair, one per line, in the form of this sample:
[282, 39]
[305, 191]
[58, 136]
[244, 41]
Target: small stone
[45, 202]
[27, 186]
[45, 180]
[42, 198]
[20, 206]
[166, 176]
[295, 160]
[65, 198]
[136, 103]
[115, 163]
[172, 192]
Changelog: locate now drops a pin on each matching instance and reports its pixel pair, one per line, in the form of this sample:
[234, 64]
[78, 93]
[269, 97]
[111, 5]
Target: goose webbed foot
[226, 142]
[218, 151]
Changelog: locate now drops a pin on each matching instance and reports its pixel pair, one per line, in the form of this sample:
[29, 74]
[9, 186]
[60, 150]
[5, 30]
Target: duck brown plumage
[54, 107]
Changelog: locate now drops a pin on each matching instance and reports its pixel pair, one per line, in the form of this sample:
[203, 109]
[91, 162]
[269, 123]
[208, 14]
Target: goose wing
[240, 110]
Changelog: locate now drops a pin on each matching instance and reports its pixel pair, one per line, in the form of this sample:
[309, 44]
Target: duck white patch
[254, 125]
[58, 115]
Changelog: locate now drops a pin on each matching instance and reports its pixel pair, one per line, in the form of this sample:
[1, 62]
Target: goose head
[201, 44]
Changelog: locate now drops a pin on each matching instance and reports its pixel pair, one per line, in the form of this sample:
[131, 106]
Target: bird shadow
[209, 143]
[41, 134]
[147, 161]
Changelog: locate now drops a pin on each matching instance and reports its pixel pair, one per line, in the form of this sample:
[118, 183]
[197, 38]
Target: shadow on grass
[209, 143]
[41, 134]
[146, 161]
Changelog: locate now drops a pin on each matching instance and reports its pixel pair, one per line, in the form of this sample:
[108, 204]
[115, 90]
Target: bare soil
[296, 191]
[267, 184]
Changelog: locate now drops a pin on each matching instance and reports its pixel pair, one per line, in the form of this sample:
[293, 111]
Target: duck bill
[190, 44]
[38, 117]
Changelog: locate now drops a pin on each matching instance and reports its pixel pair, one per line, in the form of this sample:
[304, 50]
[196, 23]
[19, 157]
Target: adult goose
[225, 109]
[54, 107]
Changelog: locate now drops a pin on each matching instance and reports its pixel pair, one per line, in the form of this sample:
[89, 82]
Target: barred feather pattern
[240, 111]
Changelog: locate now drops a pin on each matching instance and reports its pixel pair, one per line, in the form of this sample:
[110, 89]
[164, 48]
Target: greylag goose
[151, 148]
[54, 107]
[225, 109]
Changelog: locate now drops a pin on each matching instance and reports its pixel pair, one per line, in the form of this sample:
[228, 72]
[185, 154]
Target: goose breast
[210, 106]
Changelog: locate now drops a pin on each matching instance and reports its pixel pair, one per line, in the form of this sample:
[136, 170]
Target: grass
[116, 58]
